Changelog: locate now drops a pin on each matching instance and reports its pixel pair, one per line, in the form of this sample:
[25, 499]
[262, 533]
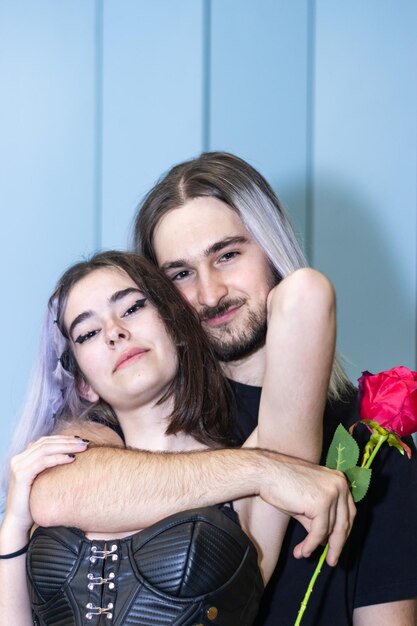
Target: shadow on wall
[369, 256]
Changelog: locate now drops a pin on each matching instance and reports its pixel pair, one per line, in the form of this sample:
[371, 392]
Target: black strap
[17, 553]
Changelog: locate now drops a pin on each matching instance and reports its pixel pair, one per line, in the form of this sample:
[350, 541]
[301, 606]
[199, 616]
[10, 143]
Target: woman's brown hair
[202, 399]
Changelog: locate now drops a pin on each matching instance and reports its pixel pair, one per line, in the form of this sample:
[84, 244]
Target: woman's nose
[115, 332]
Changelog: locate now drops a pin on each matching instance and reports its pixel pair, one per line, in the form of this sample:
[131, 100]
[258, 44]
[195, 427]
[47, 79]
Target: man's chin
[239, 348]
[238, 339]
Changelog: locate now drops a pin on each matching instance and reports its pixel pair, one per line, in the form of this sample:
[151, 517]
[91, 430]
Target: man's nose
[211, 289]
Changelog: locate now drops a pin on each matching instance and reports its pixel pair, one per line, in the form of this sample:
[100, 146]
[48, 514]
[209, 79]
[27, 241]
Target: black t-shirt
[378, 563]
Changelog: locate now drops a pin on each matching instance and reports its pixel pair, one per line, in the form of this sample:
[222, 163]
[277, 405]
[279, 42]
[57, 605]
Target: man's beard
[236, 344]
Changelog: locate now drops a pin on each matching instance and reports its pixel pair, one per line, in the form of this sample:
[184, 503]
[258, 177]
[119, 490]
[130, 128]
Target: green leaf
[359, 479]
[343, 451]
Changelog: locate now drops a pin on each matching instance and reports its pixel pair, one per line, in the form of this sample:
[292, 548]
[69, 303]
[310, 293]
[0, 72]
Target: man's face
[204, 248]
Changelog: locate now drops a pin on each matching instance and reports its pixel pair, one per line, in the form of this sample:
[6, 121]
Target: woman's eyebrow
[80, 318]
[115, 297]
[118, 295]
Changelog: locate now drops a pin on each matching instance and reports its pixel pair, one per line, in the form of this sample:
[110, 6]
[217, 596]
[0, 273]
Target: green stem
[309, 591]
[381, 440]
[317, 571]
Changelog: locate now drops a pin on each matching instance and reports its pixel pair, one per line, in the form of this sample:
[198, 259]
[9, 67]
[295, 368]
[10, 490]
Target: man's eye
[180, 275]
[81, 338]
[227, 256]
[139, 304]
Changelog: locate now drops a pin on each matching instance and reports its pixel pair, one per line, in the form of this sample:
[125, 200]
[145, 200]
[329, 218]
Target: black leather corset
[191, 569]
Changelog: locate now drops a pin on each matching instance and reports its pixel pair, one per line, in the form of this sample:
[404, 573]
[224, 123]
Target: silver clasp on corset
[98, 580]
[103, 554]
[99, 610]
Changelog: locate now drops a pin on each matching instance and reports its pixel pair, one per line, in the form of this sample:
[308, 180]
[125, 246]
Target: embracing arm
[299, 355]
[114, 489]
[109, 489]
[300, 348]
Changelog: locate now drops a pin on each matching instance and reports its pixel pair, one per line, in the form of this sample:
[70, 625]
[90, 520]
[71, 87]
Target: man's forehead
[196, 230]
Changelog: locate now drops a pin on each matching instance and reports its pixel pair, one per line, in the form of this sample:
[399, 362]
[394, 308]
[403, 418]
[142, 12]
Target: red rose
[390, 399]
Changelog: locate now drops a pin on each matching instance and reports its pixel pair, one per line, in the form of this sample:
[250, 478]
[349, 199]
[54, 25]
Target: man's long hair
[236, 183]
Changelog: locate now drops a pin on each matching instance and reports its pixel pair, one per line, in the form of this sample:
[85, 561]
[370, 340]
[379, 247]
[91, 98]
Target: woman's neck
[145, 429]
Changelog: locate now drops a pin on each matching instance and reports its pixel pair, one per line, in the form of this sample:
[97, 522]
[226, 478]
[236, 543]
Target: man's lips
[222, 318]
[129, 357]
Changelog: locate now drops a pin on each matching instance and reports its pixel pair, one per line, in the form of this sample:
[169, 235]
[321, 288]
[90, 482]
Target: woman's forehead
[96, 288]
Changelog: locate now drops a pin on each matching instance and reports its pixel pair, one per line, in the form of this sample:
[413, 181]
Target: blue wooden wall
[99, 97]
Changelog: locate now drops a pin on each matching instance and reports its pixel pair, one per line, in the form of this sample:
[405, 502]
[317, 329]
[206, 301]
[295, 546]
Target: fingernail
[71, 456]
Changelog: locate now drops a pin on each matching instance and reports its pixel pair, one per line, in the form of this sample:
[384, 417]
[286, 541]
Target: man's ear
[86, 391]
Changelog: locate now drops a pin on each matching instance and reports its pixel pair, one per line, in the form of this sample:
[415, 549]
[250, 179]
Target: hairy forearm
[113, 490]
[110, 490]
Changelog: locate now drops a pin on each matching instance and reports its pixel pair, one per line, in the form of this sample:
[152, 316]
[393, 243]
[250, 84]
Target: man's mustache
[209, 312]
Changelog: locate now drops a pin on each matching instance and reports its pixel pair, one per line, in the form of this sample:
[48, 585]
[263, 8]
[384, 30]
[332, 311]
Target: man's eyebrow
[218, 246]
[224, 243]
[115, 297]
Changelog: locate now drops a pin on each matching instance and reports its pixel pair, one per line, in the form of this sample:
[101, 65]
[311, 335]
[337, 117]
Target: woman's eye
[139, 304]
[81, 338]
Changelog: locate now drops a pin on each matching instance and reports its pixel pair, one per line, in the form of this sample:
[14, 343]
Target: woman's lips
[129, 357]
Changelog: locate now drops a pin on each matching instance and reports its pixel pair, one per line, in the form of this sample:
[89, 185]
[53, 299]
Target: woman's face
[119, 341]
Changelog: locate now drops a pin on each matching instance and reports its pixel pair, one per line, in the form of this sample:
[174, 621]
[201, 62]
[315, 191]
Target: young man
[217, 230]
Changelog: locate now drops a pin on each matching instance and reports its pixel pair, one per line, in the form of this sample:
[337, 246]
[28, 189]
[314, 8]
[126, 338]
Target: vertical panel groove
[311, 35]
[98, 125]
[206, 74]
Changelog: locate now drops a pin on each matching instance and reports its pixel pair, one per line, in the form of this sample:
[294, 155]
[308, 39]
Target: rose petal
[390, 398]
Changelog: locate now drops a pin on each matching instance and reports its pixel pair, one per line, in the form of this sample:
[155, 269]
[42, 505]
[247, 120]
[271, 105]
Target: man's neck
[249, 370]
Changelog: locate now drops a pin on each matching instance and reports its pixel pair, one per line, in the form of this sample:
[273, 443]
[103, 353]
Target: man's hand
[317, 497]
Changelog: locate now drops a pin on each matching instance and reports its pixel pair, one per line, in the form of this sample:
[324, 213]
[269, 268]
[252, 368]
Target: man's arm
[403, 613]
[111, 489]
[299, 347]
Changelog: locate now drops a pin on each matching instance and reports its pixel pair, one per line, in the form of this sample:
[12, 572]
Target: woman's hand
[15, 607]
[40, 455]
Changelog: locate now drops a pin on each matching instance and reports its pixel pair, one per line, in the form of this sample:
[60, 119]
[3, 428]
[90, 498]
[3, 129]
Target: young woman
[121, 348]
